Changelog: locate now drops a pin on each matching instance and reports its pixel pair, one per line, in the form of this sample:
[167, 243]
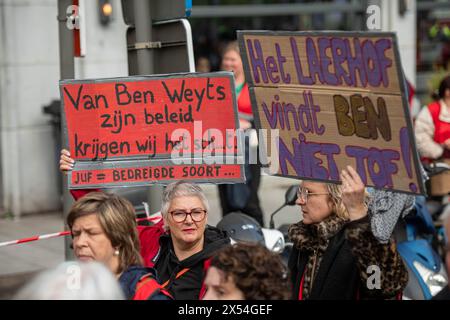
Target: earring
[116, 253]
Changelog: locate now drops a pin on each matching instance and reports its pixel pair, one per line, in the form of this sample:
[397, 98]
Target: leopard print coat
[314, 239]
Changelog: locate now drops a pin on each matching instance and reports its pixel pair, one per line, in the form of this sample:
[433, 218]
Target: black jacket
[343, 270]
[188, 285]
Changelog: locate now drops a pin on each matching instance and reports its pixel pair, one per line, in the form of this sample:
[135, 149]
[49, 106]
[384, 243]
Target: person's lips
[189, 230]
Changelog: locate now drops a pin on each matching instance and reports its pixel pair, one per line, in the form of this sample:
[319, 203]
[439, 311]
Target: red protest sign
[178, 116]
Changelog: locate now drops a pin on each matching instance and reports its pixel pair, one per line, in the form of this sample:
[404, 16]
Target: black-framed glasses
[303, 194]
[197, 215]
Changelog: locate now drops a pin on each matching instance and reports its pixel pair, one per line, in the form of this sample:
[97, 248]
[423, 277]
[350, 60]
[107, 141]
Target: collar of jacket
[130, 277]
[315, 236]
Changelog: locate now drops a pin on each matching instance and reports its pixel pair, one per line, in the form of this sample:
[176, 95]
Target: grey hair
[73, 280]
[181, 189]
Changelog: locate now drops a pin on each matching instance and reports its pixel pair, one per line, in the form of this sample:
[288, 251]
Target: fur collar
[315, 236]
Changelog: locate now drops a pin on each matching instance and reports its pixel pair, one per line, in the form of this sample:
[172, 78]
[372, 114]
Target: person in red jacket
[432, 126]
[180, 246]
[241, 197]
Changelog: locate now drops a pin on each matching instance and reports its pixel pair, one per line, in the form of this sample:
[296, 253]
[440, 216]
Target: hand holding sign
[143, 130]
[337, 98]
[65, 162]
[353, 193]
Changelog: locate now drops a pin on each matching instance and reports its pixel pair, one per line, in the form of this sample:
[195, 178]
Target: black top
[188, 285]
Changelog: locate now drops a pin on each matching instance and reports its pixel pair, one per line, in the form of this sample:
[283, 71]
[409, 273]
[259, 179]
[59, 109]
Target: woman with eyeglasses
[335, 254]
[181, 245]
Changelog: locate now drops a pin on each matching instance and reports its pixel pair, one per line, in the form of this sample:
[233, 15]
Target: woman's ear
[331, 205]
[166, 223]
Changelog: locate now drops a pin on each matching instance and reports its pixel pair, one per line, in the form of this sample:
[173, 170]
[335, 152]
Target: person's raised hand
[65, 161]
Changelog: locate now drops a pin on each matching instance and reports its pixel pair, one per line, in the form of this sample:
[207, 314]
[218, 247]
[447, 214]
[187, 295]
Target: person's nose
[227, 64]
[189, 219]
[300, 201]
[80, 241]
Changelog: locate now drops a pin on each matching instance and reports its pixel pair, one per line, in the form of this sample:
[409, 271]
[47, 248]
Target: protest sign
[337, 99]
[143, 130]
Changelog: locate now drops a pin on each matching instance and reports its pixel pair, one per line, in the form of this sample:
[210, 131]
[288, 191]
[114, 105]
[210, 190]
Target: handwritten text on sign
[134, 118]
[138, 175]
[337, 100]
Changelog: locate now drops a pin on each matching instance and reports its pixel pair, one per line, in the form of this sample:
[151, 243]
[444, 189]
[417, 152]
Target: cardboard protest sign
[143, 130]
[337, 99]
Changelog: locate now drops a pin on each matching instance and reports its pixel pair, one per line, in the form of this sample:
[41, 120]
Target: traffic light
[105, 11]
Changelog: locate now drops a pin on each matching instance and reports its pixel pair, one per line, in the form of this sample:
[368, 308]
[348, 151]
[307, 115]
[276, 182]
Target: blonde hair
[117, 219]
[231, 46]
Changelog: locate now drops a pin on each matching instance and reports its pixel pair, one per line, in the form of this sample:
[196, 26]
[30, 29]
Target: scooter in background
[415, 235]
[243, 228]
[439, 207]
[421, 248]
[289, 200]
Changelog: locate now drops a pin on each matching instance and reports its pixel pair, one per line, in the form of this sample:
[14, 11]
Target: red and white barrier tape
[59, 234]
[41, 237]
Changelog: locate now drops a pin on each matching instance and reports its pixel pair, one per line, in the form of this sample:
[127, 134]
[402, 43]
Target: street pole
[143, 25]
[144, 61]
[67, 71]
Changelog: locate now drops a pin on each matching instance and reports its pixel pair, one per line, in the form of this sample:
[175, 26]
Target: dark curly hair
[443, 86]
[257, 272]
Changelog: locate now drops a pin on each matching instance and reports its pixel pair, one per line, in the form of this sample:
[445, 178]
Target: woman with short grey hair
[181, 189]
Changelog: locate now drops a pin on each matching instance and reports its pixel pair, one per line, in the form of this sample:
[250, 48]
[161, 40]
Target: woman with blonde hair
[432, 126]
[335, 254]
